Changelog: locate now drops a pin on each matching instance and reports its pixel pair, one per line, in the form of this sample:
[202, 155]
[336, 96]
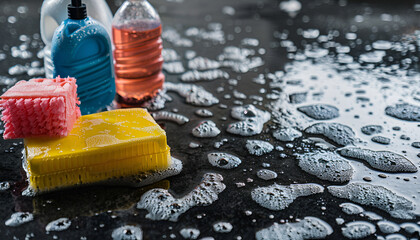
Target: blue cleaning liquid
[81, 48]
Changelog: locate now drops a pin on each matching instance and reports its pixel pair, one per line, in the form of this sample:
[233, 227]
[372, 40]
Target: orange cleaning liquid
[138, 63]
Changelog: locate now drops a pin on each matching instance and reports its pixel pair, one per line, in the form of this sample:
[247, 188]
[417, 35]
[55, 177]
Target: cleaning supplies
[81, 48]
[54, 12]
[40, 107]
[101, 146]
[136, 32]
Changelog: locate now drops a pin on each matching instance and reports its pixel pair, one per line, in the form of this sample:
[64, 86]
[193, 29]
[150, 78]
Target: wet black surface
[96, 211]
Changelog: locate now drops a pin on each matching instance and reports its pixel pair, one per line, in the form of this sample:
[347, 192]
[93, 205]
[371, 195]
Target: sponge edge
[101, 146]
[40, 107]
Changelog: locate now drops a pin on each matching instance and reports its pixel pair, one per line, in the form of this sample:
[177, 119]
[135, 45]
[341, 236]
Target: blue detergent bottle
[81, 48]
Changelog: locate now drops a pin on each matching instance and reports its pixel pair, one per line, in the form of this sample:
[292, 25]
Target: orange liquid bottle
[138, 61]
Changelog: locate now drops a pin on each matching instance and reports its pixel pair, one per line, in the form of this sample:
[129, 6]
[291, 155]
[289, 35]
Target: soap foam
[286, 134]
[58, 225]
[206, 129]
[358, 230]
[371, 129]
[326, 166]
[278, 197]
[388, 227]
[351, 208]
[266, 174]
[223, 160]
[320, 111]
[193, 94]
[375, 196]
[209, 75]
[127, 232]
[202, 63]
[380, 160]
[189, 233]
[308, 228]
[253, 120]
[222, 227]
[161, 205]
[336, 132]
[258, 147]
[404, 111]
[203, 113]
[19, 218]
[170, 116]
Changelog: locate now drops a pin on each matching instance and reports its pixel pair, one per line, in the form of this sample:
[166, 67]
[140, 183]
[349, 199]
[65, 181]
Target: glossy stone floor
[307, 67]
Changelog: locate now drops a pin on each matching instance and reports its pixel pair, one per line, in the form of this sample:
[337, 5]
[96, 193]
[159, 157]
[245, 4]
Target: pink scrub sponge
[40, 107]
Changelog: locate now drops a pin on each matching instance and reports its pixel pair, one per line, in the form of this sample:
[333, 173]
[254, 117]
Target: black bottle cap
[77, 10]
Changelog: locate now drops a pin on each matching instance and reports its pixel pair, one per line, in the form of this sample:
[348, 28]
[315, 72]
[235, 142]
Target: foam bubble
[222, 227]
[252, 42]
[214, 34]
[127, 232]
[320, 111]
[404, 111]
[223, 160]
[203, 113]
[220, 143]
[382, 45]
[170, 55]
[388, 227]
[351, 208]
[190, 233]
[395, 236]
[196, 95]
[372, 216]
[287, 134]
[253, 120]
[278, 197]
[209, 75]
[371, 129]
[172, 36]
[326, 166]
[161, 205]
[381, 140]
[157, 102]
[336, 132]
[60, 224]
[308, 228]
[316, 52]
[238, 59]
[381, 160]
[410, 228]
[202, 63]
[4, 186]
[19, 218]
[206, 129]
[358, 230]
[291, 6]
[258, 147]
[173, 67]
[266, 174]
[375, 196]
[170, 116]
[310, 33]
[372, 57]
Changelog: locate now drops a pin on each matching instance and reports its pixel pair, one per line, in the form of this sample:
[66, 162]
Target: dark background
[96, 211]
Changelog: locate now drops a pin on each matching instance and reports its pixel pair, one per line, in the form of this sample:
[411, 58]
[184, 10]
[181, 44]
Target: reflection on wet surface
[297, 117]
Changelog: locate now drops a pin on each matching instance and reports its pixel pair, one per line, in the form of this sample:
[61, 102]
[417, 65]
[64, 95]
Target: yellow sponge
[101, 146]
